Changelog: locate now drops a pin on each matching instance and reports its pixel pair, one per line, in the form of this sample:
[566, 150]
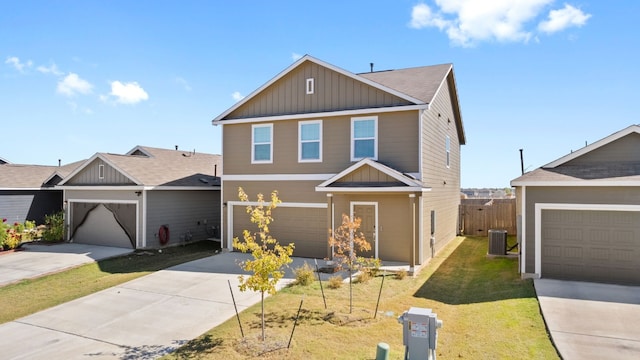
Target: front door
[368, 212]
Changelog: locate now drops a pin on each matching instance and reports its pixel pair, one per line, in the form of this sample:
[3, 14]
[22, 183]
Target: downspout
[412, 252]
[330, 225]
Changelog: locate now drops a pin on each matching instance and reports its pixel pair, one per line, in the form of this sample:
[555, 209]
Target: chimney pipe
[215, 170]
[176, 147]
[371, 65]
[521, 163]
[59, 162]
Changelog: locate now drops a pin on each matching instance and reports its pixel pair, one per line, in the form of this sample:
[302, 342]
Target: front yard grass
[29, 296]
[488, 312]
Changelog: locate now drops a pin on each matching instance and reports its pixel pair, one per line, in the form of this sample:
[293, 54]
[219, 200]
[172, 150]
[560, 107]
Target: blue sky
[80, 77]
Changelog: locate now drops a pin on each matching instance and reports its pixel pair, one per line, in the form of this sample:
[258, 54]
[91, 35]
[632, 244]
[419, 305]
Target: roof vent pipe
[59, 162]
[176, 147]
[215, 170]
[371, 65]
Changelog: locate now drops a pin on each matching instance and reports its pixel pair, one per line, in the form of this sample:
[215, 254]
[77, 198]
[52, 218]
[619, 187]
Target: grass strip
[29, 296]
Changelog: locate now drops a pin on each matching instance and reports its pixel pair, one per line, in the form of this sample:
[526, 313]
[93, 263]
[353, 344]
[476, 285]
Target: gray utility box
[497, 242]
[419, 333]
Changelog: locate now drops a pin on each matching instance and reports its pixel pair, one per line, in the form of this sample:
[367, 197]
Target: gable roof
[416, 85]
[561, 172]
[405, 183]
[148, 166]
[20, 176]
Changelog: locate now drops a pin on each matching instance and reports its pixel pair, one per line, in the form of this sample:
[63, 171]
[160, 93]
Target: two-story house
[383, 146]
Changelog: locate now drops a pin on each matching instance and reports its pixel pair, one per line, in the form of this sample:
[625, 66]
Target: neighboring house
[147, 198]
[3, 161]
[383, 146]
[580, 214]
[27, 192]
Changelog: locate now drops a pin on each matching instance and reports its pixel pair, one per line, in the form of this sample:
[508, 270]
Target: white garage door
[590, 245]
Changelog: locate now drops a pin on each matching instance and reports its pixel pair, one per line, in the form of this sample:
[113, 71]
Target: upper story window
[364, 138]
[447, 149]
[262, 144]
[310, 141]
[310, 86]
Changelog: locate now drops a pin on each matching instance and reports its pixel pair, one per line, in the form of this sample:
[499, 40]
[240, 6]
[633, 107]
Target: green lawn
[487, 310]
[29, 296]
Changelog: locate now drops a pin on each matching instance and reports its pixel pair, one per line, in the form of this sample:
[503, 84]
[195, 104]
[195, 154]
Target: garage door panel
[601, 246]
[305, 227]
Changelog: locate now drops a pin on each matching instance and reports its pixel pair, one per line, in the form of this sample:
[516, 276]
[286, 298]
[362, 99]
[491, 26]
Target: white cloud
[15, 62]
[237, 96]
[184, 83]
[53, 69]
[295, 56]
[72, 84]
[563, 18]
[128, 93]
[468, 22]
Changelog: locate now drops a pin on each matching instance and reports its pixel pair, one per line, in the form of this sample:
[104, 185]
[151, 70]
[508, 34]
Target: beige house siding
[367, 174]
[398, 145]
[89, 176]
[332, 91]
[437, 123]
[569, 195]
[394, 236]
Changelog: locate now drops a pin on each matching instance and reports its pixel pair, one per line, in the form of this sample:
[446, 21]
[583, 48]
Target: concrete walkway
[38, 259]
[141, 319]
[591, 321]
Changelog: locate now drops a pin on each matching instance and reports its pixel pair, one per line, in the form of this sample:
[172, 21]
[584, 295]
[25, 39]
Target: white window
[310, 86]
[310, 141]
[101, 171]
[262, 144]
[447, 149]
[364, 138]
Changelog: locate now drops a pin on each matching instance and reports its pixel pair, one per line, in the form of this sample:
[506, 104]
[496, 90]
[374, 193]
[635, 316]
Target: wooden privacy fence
[478, 216]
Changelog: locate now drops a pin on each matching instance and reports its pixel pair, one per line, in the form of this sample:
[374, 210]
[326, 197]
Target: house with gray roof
[382, 146]
[146, 198]
[27, 192]
[580, 214]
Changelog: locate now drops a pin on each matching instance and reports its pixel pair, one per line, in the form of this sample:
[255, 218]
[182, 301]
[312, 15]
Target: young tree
[346, 241]
[268, 255]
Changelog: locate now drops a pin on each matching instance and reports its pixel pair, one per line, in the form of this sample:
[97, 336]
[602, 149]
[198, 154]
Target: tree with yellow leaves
[268, 255]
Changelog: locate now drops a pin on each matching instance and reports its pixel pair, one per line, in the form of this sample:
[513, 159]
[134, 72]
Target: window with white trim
[310, 86]
[262, 144]
[447, 149]
[101, 171]
[310, 141]
[364, 138]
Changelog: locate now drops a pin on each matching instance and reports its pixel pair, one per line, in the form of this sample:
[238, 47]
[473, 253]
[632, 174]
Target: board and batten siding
[332, 91]
[184, 212]
[437, 123]
[90, 175]
[33, 205]
[398, 145]
[624, 149]
[569, 195]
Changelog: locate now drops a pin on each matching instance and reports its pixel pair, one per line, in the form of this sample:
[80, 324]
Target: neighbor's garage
[106, 224]
[306, 227]
[591, 245]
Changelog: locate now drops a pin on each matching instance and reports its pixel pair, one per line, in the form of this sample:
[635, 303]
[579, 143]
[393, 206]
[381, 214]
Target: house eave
[394, 189]
[323, 114]
[581, 183]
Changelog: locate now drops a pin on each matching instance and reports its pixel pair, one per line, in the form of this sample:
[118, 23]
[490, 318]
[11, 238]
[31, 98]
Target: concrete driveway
[38, 259]
[141, 319]
[591, 321]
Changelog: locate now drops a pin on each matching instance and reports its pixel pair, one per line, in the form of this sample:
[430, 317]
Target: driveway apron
[591, 321]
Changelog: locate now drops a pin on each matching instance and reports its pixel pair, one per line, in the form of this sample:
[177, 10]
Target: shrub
[363, 276]
[401, 274]
[304, 275]
[54, 230]
[335, 282]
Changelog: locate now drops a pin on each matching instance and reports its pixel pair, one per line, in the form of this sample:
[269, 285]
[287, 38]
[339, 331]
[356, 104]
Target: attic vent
[204, 181]
[310, 86]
